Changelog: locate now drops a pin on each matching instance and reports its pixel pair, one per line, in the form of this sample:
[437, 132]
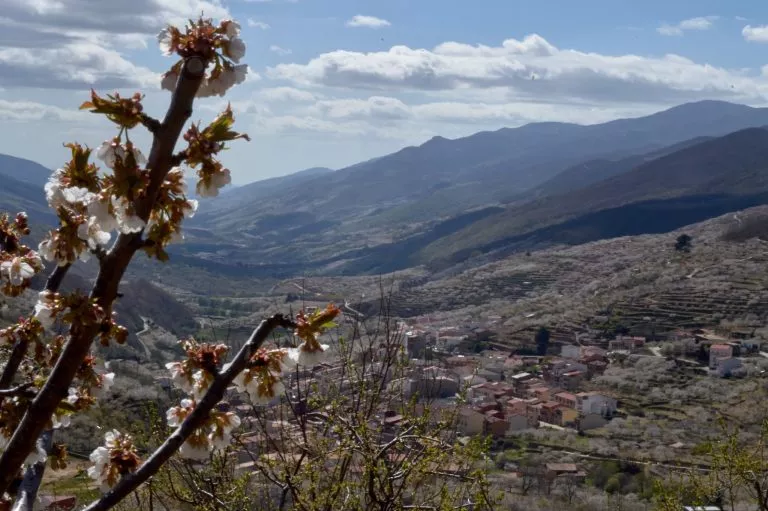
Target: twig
[178, 158]
[152, 124]
[198, 416]
[22, 389]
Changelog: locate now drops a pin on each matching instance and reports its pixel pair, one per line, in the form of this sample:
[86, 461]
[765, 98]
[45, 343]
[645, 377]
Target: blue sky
[326, 90]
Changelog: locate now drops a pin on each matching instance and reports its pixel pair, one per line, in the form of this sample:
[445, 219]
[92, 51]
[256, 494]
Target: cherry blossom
[169, 81]
[114, 459]
[165, 41]
[235, 49]
[44, 311]
[111, 150]
[92, 233]
[107, 380]
[302, 356]
[231, 28]
[179, 377]
[17, 270]
[127, 221]
[101, 215]
[218, 180]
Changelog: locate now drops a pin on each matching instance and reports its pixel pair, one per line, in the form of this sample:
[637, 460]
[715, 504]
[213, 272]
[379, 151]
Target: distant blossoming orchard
[141, 201]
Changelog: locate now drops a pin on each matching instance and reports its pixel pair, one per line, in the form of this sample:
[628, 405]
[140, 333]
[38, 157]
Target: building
[470, 421]
[594, 402]
[571, 351]
[566, 399]
[718, 352]
[517, 422]
[727, 367]
[570, 470]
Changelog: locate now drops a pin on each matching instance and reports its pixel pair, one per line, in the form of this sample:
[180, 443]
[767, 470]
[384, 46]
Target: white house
[595, 403]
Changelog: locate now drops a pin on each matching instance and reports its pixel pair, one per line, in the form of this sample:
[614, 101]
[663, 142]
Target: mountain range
[507, 190]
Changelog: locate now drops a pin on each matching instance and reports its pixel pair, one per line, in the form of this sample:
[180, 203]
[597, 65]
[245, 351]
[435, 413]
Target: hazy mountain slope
[23, 170]
[485, 168]
[17, 196]
[593, 171]
[734, 165]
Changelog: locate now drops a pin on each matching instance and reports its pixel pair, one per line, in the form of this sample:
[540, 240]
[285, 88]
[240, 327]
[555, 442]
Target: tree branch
[112, 268]
[178, 158]
[215, 393]
[22, 389]
[152, 124]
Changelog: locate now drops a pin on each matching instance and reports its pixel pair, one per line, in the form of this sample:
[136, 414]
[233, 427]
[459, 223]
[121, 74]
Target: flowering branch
[105, 289]
[196, 418]
[22, 389]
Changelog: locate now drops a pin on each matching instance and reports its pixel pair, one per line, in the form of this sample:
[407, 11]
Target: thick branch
[112, 268]
[194, 420]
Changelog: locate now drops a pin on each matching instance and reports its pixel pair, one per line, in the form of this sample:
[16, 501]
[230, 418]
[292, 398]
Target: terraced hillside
[641, 282]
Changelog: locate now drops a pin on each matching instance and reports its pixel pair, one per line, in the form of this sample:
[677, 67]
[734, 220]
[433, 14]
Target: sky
[335, 82]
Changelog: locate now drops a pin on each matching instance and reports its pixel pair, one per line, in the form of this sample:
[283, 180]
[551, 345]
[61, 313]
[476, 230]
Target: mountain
[689, 185]
[593, 171]
[326, 220]
[23, 170]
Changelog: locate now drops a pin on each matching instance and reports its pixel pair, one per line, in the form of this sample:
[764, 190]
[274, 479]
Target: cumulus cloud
[31, 111]
[80, 43]
[758, 34]
[367, 22]
[530, 69]
[279, 50]
[700, 23]
[257, 24]
[285, 94]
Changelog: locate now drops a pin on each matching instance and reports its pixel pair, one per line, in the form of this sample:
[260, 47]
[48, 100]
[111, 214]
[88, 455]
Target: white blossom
[169, 81]
[92, 233]
[17, 270]
[44, 310]
[236, 49]
[200, 384]
[177, 376]
[61, 421]
[76, 194]
[307, 358]
[98, 471]
[53, 190]
[48, 251]
[191, 208]
[175, 415]
[194, 452]
[38, 455]
[127, 223]
[107, 380]
[232, 28]
[240, 71]
[221, 441]
[100, 214]
[217, 181]
[110, 151]
[165, 40]
[249, 383]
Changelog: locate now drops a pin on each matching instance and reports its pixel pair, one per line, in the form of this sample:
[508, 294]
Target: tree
[542, 341]
[683, 243]
[46, 378]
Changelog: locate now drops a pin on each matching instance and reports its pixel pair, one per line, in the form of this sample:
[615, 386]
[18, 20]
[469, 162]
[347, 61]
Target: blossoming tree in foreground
[138, 204]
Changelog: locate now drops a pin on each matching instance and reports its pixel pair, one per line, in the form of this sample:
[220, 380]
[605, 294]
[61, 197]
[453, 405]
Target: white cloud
[31, 111]
[530, 69]
[700, 23]
[368, 22]
[81, 43]
[757, 34]
[281, 94]
[279, 50]
[258, 24]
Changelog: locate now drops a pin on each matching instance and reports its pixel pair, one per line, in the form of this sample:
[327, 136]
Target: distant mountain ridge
[447, 200]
